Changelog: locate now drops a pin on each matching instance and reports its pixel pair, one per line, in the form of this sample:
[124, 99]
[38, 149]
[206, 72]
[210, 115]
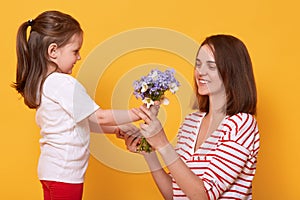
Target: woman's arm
[164, 183]
[161, 178]
[229, 160]
[189, 183]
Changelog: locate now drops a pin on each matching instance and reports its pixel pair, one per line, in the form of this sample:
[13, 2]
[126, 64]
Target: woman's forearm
[161, 178]
[190, 184]
[164, 183]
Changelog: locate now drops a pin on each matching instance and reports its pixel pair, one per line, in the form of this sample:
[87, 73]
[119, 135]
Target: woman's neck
[217, 109]
[217, 105]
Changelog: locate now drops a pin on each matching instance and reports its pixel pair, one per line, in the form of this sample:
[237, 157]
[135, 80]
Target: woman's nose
[201, 70]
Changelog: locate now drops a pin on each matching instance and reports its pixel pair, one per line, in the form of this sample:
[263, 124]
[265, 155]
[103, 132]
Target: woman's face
[207, 77]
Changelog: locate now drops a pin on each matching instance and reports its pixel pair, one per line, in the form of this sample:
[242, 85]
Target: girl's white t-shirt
[63, 119]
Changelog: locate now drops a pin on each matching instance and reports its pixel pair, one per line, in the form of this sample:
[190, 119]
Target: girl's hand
[128, 129]
[132, 141]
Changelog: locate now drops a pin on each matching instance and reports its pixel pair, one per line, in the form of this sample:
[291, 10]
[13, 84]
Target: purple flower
[153, 86]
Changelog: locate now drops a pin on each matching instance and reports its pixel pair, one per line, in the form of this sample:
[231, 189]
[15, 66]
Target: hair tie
[30, 22]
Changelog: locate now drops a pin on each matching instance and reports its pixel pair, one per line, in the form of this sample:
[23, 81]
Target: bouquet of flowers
[152, 88]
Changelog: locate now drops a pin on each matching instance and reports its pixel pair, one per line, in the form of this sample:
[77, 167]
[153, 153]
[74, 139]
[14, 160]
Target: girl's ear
[52, 51]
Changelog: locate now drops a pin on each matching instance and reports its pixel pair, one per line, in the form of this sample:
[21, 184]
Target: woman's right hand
[152, 129]
[155, 108]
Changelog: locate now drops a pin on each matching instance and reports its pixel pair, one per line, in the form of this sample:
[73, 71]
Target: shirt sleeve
[231, 155]
[70, 95]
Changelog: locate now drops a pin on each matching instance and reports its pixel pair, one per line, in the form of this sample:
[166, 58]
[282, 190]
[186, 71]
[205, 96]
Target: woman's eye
[198, 65]
[212, 67]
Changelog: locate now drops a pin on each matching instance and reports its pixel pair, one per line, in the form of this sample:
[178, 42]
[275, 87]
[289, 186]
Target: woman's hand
[152, 129]
[155, 108]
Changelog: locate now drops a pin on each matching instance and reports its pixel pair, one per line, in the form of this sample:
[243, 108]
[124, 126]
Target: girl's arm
[120, 131]
[96, 128]
[113, 117]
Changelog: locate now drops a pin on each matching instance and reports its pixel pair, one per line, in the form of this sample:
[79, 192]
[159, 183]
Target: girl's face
[208, 79]
[67, 56]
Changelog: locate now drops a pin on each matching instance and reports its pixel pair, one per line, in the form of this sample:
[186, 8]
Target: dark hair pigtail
[23, 59]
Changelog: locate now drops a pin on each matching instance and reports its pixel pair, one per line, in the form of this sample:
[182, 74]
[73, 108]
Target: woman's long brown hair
[235, 68]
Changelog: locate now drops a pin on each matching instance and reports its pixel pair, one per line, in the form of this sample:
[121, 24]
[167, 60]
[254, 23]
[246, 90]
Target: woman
[218, 144]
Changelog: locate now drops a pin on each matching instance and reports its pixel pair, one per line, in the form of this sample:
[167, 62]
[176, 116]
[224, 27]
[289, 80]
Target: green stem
[144, 146]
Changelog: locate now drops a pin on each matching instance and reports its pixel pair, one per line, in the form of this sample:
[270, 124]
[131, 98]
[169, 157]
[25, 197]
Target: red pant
[62, 191]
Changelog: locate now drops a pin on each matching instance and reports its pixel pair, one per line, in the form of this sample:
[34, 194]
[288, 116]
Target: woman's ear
[52, 51]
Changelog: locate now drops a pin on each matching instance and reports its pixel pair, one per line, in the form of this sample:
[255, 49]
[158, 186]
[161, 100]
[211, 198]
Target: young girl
[217, 147]
[65, 112]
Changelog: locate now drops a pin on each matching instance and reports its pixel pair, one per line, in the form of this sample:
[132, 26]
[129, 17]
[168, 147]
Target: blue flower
[155, 84]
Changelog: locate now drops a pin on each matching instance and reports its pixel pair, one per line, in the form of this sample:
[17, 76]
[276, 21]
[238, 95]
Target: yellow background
[270, 29]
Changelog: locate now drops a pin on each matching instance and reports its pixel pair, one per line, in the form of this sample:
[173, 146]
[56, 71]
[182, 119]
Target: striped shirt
[226, 161]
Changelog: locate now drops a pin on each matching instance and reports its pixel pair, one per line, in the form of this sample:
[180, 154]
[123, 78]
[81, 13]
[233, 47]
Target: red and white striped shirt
[226, 161]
